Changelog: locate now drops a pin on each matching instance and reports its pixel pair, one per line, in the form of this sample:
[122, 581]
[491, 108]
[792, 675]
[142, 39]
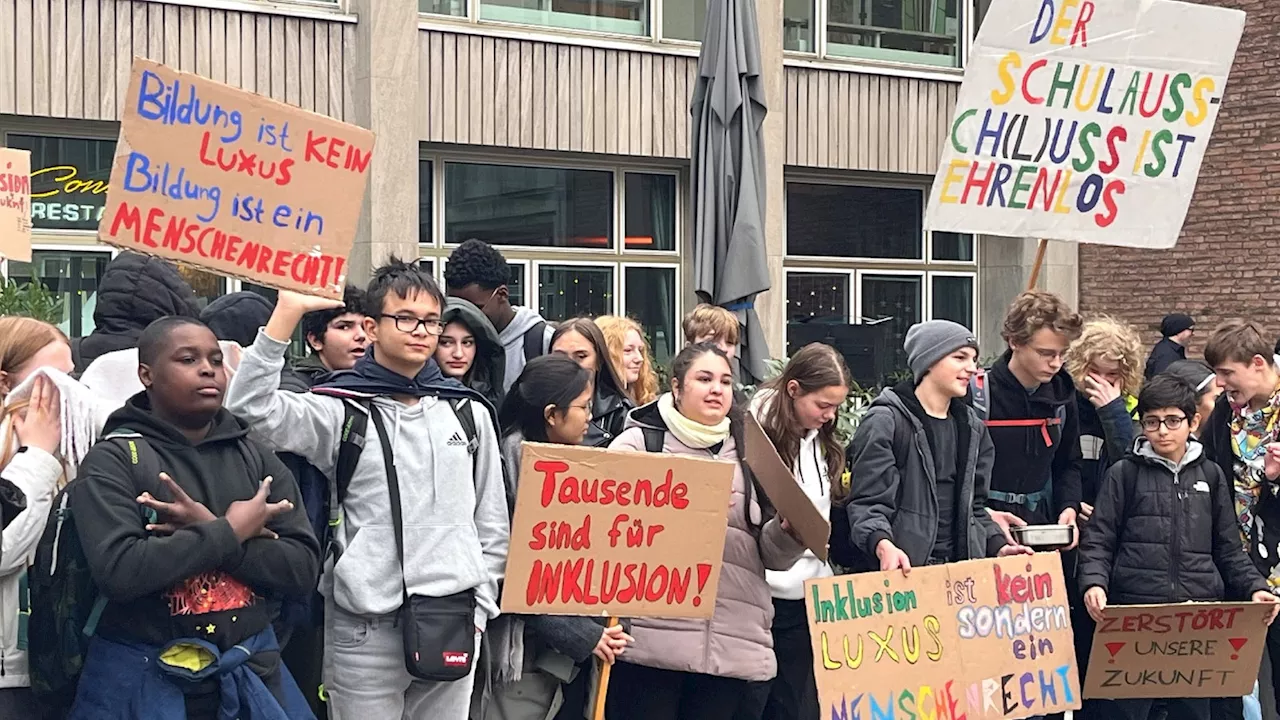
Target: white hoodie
[810, 470]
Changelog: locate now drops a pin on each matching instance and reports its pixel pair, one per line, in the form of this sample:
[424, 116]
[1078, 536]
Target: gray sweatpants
[365, 677]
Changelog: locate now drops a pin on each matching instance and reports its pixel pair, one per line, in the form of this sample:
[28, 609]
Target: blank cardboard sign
[235, 183]
[1203, 650]
[616, 533]
[784, 492]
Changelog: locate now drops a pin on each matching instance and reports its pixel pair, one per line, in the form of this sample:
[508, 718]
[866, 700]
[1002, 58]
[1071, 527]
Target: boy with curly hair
[479, 274]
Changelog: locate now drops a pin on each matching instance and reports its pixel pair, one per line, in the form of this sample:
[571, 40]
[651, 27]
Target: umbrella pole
[602, 691]
[1035, 269]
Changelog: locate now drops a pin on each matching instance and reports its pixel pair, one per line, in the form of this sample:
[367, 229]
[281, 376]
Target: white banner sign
[1084, 120]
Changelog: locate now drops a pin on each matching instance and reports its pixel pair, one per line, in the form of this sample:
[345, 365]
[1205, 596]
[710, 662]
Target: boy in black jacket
[1166, 489]
[188, 556]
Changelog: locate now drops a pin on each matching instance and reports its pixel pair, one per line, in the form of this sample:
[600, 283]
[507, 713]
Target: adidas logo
[455, 659]
[456, 440]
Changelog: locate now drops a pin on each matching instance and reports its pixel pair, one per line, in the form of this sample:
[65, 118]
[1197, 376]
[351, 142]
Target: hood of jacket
[488, 371]
[135, 291]
[137, 416]
[1145, 452]
[237, 317]
[311, 368]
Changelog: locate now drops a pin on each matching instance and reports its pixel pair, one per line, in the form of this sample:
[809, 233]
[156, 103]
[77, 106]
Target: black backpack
[535, 341]
[355, 425]
[65, 603]
[654, 437]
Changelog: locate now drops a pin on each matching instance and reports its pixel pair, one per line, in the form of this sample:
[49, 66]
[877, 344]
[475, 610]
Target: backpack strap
[978, 394]
[535, 339]
[351, 444]
[355, 424]
[653, 439]
[464, 410]
[145, 464]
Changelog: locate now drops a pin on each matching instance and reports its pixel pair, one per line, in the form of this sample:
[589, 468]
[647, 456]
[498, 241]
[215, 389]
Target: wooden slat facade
[534, 95]
[71, 58]
[855, 121]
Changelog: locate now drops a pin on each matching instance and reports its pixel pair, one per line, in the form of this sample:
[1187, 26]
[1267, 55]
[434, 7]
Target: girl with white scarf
[48, 423]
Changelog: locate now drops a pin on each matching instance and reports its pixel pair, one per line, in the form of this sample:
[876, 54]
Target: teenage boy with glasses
[442, 535]
[1139, 548]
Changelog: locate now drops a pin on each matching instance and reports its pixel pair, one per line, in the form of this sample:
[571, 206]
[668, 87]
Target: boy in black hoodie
[1131, 554]
[1028, 402]
[188, 556]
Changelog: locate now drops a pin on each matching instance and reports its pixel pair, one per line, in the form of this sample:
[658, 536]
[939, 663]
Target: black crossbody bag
[439, 632]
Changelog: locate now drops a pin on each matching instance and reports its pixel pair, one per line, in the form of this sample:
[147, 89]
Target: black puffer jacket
[136, 290]
[1162, 533]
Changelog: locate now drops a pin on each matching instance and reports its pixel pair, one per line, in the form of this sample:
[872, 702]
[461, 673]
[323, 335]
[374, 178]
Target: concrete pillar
[772, 306]
[1005, 269]
[384, 97]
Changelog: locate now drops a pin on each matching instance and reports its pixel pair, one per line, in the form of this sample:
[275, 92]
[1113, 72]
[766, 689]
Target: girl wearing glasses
[1164, 531]
[540, 661]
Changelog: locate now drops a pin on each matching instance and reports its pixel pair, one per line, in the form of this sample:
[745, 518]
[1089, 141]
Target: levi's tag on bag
[439, 632]
[439, 635]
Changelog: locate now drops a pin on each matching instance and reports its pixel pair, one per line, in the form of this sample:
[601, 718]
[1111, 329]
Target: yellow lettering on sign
[67, 183]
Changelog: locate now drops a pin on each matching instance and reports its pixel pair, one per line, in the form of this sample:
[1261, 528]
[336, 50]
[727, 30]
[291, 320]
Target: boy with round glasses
[1166, 490]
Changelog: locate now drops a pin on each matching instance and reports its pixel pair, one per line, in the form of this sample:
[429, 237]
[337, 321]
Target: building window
[687, 20]
[68, 179]
[73, 276]
[621, 17]
[568, 291]
[456, 8]
[529, 206]
[650, 212]
[853, 221]
[425, 235]
[953, 298]
[919, 32]
[559, 229]
[651, 300]
[859, 254]
[816, 296]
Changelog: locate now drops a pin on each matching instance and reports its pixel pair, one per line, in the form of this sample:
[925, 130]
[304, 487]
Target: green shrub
[31, 300]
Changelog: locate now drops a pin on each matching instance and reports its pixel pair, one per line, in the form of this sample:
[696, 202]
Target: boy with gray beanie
[911, 468]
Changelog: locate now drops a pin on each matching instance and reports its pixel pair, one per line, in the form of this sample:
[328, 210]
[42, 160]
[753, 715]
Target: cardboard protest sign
[786, 495]
[1083, 120]
[977, 639]
[15, 204]
[1188, 650]
[616, 533]
[235, 183]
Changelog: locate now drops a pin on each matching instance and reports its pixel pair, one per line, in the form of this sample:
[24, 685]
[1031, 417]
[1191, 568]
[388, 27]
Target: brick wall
[1227, 262]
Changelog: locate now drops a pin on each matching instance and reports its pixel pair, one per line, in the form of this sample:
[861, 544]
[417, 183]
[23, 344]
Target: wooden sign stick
[602, 692]
[1035, 269]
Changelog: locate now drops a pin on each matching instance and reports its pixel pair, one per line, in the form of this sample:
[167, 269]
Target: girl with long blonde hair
[631, 357]
[31, 443]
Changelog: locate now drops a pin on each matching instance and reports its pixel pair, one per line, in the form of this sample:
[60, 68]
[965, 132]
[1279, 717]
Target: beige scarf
[691, 432]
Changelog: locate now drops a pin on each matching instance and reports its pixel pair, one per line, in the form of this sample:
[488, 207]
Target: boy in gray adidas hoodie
[452, 492]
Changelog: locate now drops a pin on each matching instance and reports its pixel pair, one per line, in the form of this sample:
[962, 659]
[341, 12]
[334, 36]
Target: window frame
[618, 172]
[975, 304]
[677, 307]
[535, 280]
[68, 129]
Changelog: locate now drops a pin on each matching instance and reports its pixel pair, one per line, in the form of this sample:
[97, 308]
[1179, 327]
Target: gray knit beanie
[929, 342]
